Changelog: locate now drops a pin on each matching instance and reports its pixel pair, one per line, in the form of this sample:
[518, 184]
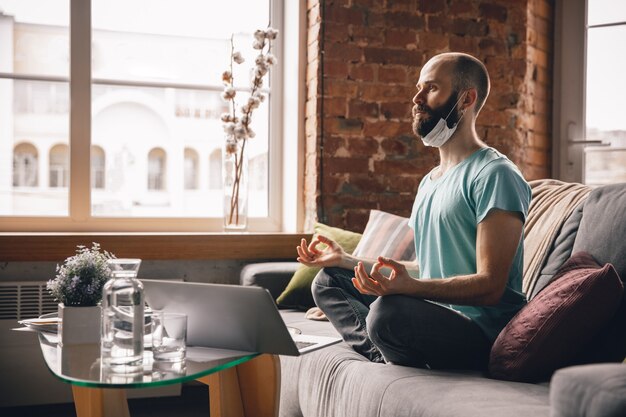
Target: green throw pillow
[298, 292]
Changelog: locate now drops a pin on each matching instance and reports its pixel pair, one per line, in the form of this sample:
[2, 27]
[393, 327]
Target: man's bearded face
[423, 124]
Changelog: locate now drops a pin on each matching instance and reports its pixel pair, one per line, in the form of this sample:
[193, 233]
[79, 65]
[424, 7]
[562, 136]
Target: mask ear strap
[454, 107]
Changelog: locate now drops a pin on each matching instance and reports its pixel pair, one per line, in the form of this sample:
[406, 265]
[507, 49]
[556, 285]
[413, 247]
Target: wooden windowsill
[16, 247]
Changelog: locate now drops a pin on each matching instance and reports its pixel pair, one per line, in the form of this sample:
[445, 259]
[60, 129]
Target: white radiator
[25, 299]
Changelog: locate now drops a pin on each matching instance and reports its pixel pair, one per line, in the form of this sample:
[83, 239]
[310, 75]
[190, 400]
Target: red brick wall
[361, 152]
[537, 91]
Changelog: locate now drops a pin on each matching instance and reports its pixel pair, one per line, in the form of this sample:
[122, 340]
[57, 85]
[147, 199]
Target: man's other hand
[311, 255]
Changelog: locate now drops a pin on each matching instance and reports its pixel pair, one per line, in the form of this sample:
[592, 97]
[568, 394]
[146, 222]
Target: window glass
[35, 34]
[606, 87]
[156, 136]
[605, 11]
[183, 41]
[34, 106]
[157, 84]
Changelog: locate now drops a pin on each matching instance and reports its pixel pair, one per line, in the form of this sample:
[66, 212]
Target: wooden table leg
[251, 389]
[259, 384]
[98, 402]
[224, 394]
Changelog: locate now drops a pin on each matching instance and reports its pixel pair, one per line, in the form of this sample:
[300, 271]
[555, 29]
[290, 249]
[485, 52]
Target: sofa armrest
[273, 276]
[589, 390]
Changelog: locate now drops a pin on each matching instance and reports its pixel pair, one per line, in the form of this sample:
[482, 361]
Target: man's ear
[471, 96]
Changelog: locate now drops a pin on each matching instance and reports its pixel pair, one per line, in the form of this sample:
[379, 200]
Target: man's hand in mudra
[398, 282]
[312, 255]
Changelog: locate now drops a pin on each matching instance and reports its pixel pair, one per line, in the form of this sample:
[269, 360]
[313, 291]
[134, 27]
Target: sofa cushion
[590, 390]
[298, 292]
[386, 235]
[609, 345]
[337, 381]
[273, 276]
[552, 204]
[601, 233]
[603, 227]
[551, 330]
[560, 252]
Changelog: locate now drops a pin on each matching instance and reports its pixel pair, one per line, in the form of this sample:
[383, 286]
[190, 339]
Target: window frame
[285, 197]
[569, 89]
[570, 86]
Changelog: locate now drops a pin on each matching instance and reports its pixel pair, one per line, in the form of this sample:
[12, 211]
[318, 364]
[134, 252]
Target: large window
[144, 115]
[590, 130]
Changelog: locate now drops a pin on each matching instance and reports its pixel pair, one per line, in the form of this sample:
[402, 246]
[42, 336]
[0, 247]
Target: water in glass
[122, 317]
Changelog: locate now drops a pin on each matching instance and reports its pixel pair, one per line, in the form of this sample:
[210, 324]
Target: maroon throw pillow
[553, 328]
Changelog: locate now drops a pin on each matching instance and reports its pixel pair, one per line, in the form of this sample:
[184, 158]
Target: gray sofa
[336, 381]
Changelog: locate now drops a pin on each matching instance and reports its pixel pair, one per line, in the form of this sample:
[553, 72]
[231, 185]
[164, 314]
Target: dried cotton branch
[237, 129]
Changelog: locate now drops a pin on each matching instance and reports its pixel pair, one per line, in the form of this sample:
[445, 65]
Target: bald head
[466, 72]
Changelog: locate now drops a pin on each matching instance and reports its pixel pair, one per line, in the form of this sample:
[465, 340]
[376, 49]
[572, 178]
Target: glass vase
[123, 317]
[235, 175]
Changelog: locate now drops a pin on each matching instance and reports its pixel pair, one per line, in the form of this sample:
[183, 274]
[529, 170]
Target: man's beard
[423, 126]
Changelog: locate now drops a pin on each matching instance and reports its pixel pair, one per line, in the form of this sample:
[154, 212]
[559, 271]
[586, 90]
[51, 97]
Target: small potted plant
[78, 289]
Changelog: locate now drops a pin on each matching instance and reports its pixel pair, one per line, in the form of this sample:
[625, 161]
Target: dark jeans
[399, 329]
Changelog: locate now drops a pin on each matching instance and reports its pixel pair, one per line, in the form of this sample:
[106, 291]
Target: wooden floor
[193, 402]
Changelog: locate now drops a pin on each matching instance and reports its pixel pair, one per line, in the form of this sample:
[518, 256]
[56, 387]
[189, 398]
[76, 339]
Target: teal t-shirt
[445, 219]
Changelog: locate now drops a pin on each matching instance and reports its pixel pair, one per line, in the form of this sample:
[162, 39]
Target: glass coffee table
[240, 383]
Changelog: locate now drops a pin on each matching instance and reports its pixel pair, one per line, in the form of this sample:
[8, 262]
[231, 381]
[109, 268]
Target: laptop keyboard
[302, 345]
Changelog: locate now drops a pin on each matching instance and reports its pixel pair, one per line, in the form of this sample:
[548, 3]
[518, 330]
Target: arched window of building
[156, 169]
[25, 171]
[191, 169]
[97, 167]
[215, 169]
[59, 166]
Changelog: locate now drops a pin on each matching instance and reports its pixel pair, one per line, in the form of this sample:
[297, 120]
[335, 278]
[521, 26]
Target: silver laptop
[231, 317]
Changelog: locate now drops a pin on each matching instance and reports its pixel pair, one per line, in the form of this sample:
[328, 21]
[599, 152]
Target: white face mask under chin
[441, 133]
